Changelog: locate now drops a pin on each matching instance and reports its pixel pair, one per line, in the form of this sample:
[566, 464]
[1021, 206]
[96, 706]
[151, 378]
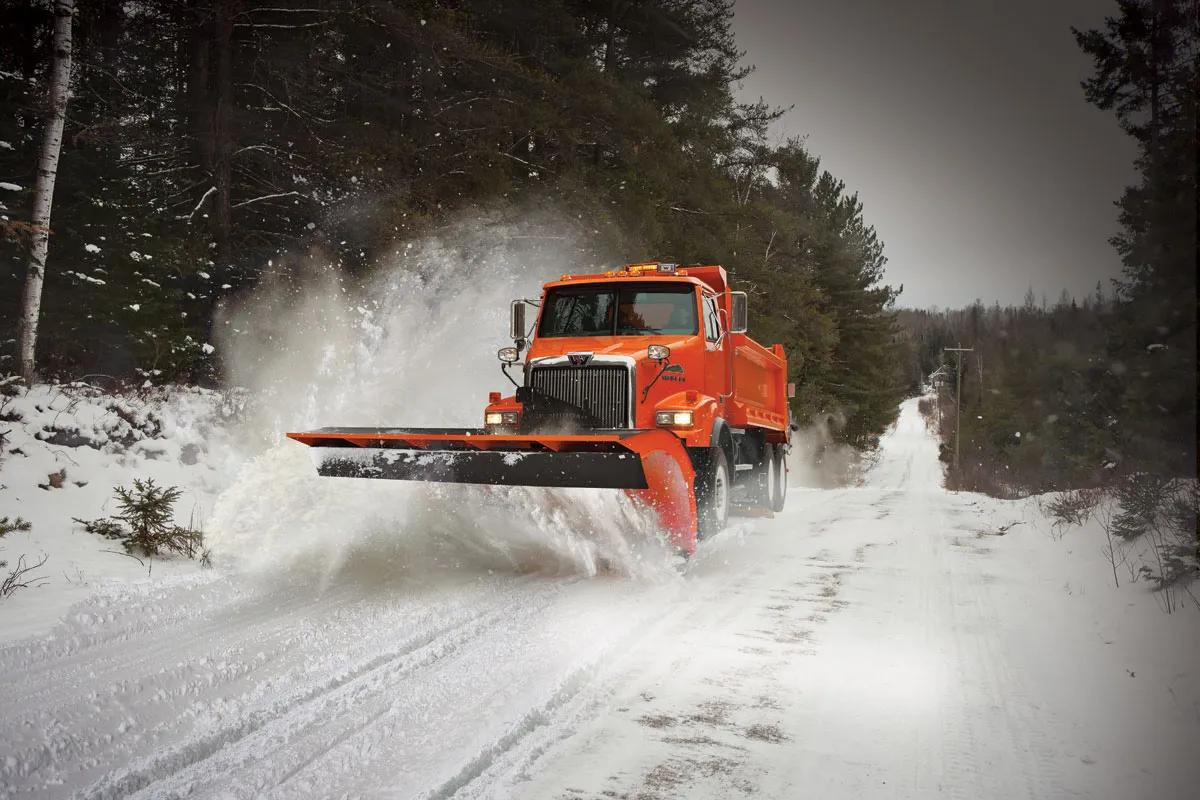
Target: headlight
[508, 354]
[673, 419]
[658, 352]
[500, 418]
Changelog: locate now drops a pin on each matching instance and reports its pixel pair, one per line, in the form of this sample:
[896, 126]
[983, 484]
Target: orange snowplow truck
[640, 379]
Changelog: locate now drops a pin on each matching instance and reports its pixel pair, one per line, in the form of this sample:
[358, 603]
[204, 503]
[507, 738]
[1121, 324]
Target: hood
[633, 347]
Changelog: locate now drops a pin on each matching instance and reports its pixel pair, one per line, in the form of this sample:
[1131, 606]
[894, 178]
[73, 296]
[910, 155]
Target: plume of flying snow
[411, 345]
[817, 460]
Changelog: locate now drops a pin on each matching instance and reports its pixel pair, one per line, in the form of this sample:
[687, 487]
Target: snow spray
[817, 460]
[411, 345]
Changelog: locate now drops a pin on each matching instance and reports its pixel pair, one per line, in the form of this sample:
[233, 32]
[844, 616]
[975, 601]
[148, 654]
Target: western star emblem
[579, 359]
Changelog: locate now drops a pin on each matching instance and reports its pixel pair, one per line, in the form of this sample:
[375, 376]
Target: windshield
[619, 311]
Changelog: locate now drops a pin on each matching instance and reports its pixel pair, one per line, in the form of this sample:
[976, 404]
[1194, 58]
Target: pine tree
[214, 142]
[1147, 63]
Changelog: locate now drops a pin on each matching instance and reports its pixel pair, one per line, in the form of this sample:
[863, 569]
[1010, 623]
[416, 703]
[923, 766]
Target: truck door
[716, 362]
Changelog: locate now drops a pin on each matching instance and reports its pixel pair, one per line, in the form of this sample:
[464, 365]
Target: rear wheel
[763, 479]
[712, 493]
[779, 496]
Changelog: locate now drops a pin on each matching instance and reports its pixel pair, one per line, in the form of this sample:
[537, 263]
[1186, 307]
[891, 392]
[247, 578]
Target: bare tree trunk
[43, 185]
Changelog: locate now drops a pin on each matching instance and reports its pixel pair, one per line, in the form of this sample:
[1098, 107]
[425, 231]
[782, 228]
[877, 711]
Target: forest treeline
[1040, 393]
[1092, 389]
[207, 141]
[1097, 396]
[1058, 398]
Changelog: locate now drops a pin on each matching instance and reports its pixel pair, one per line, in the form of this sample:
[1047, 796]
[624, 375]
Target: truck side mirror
[741, 311]
[516, 324]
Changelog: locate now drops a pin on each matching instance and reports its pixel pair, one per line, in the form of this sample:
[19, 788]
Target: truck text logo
[579, 359]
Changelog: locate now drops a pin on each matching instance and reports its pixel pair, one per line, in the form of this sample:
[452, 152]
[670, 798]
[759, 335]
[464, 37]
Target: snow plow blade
[650, 465]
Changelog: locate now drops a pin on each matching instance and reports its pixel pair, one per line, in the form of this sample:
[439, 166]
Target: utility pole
[958, 354]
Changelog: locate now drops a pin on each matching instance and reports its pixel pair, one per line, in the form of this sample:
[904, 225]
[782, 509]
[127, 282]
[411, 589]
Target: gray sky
[962, 126]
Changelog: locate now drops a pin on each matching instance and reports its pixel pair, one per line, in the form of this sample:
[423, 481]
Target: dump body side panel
[759, 387]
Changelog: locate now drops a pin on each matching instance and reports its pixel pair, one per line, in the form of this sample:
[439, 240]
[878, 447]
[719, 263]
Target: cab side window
[712, 320]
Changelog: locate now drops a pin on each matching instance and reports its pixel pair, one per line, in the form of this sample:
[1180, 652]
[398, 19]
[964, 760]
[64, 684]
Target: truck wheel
[779, 496]
[712, 494]
[763, 483]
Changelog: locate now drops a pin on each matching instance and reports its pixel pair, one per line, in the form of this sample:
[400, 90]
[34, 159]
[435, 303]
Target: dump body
[631, 379]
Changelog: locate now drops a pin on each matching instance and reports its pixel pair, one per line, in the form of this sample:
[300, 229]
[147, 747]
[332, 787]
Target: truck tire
[762, 480]
[779, 496]
[713, 485]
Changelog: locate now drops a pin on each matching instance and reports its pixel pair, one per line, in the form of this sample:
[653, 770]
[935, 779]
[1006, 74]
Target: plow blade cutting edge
[652, 466]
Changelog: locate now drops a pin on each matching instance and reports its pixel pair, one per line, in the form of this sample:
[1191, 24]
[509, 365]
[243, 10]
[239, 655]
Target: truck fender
[722, 436]
[705, 410]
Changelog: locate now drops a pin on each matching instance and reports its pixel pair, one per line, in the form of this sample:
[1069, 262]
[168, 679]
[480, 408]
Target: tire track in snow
[71, 742]
[357, 763]
[178, 770]
[1013, 734]
[583, 696]
[64, 699]
[732, 601]
[40, 671]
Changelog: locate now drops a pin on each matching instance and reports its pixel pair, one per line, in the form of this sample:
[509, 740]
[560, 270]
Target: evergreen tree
[211, 141]
[1147, 63]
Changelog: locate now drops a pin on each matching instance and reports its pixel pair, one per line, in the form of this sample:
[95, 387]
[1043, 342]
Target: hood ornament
[579, 359]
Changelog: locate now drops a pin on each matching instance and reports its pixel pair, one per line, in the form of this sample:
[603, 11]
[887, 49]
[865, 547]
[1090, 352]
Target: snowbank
[65, 448]
[1110, 679]
[262, 507]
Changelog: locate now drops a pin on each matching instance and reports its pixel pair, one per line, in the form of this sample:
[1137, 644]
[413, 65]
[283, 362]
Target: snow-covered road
[880, 641]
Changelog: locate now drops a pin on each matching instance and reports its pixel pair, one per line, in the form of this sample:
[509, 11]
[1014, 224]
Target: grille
[602, 391]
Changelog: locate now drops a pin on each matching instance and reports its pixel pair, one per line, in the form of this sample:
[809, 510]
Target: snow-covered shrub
[18, 578]
[146, 522]
[1073, 507]
[1150, 526]
[9, 388]
[8, 526]
[118, 422]
[1163, 511]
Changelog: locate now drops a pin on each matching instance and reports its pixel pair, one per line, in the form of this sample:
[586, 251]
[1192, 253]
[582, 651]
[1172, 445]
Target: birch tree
[43, 186]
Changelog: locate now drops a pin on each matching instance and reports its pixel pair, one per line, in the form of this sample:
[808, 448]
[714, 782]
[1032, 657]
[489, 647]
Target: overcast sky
[962, 126]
